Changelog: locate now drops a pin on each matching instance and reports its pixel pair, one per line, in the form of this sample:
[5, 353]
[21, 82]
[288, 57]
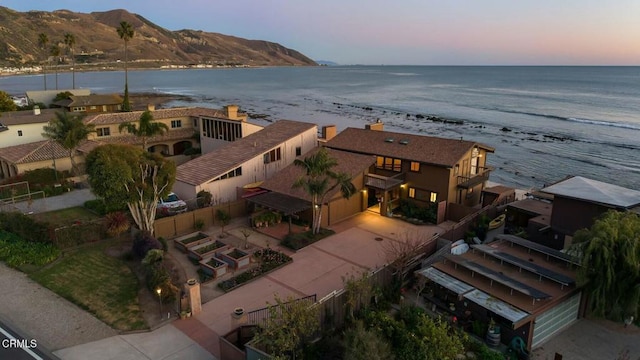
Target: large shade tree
[70, 42]
[610, 272]
[43, 41]
[145, 129]
[68, 130]
[123, 174]
[125, 32]
[319, 180]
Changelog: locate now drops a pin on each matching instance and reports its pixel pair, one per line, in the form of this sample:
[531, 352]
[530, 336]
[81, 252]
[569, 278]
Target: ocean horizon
[545, 122]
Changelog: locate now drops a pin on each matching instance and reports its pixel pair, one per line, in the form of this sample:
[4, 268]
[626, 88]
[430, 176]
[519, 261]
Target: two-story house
[247, 160]
[422, 169]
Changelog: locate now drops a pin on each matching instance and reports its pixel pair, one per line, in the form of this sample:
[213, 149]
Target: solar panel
[540, 248]
[498, 277]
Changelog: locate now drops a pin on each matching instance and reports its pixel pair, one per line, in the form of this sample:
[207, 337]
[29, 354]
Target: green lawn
[66, 216]
[101, 284]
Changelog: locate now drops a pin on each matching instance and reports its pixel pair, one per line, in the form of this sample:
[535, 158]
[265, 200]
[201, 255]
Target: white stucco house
[254, 158]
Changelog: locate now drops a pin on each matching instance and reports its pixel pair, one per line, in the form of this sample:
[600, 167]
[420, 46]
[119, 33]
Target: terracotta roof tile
[159, 114]
[32, 152]
[221, 161]
[425, 149]
[348, 162]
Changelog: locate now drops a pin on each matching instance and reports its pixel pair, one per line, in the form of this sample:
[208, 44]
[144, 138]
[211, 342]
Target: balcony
[466, 182]
[383, 182]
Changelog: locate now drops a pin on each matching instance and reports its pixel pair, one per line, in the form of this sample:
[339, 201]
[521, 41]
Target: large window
[176, 124]
[221, 130]
[389, 163]
[415, 166]
[423, 195]
[273, 155]
[103, 131]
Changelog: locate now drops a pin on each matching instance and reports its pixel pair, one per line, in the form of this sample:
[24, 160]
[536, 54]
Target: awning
[287, 205]
[447, 281]
[496, 306]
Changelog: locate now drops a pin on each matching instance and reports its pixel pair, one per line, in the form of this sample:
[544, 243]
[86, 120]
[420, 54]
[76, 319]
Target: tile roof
[159, 114]
[425, 149]
[27, 117]
[211, 165]
[348, 162]
[32, 152]
[594, 191]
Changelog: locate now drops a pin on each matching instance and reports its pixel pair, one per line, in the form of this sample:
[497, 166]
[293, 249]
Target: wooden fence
[181, 224]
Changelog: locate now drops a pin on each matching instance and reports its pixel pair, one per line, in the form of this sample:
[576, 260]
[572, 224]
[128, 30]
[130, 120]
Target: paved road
[16, 347]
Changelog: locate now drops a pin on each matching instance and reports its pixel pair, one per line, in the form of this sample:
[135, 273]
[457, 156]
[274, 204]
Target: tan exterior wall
[342, 208]
[30, 133]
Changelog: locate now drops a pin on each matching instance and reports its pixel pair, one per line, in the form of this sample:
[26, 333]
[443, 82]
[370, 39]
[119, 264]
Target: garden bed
[299, 240]
[213, 267]
[268, 260]
[236, 258]
[207, 249]
[185, 242]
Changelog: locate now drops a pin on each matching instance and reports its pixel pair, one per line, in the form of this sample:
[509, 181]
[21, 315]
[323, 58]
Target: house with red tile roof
[248, 160]
[449, 174]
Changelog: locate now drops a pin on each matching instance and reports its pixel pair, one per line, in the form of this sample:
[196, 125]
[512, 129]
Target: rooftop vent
[389, 140]
[404, 142]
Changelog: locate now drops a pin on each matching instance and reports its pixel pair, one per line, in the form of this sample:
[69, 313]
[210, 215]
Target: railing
[383, 182]
[472, 180]
[260, 316]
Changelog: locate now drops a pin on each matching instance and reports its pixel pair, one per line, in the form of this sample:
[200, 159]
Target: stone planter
[213, 267]
[185, 242]
[236, 258]
[207, 249]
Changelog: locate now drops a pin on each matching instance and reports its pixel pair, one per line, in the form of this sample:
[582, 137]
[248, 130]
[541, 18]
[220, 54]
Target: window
[415, 166]
[221, 130]
[388, 163]
[195, 123]
[19, 132]
[103, 131]
[93, 107]
[79, 109]
[273, 155]
[176, 124]
[456, 169]
[233, 173]
[298, 150]
[423, 195]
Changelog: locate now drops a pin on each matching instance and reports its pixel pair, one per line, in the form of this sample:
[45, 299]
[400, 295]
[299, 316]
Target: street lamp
[159, 291]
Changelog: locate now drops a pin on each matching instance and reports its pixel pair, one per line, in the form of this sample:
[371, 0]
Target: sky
[406, 32]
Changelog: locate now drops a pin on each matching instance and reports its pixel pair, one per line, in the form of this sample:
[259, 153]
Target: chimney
[36, 110]
[328, 132]
[151, 107]
[232, 111]
[377, 126]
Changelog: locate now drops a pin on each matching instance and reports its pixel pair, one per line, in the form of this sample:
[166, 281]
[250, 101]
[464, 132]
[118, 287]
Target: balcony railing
[383, 182]
[466, 182]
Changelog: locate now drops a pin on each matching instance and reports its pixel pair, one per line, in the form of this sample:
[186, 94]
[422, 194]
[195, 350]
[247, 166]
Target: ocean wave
[403, 74]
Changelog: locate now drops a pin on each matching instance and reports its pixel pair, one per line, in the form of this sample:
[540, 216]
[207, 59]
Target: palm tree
[319, 180]
[70, 41]
[68, 131]
[146, 128]
[43, 40]
[55, 52]
[125, 31]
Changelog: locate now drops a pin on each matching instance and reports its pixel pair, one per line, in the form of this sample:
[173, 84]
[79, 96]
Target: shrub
[269, 260]
[158, 278]
[116, 223]
[17, 252]
[101, 207]
[24, 227]
[203, 198]
[163, 242]
[143, 242]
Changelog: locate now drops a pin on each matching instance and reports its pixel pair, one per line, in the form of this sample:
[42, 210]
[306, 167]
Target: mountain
[327, 63]
[97, 42]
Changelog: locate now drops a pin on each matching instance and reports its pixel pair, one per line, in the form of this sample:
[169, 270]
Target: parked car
[172, 205]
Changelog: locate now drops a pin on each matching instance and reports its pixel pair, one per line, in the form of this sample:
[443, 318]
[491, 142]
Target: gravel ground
[40, 314]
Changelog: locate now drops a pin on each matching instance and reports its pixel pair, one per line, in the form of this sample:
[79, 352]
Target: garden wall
[180, 224]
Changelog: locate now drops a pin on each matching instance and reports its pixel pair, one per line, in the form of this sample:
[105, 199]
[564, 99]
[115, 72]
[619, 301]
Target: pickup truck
[171, 205]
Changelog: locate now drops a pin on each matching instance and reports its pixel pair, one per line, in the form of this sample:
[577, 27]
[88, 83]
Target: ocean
[545, 123]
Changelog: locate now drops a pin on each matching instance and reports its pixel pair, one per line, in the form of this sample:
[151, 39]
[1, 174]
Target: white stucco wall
[30, 133]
